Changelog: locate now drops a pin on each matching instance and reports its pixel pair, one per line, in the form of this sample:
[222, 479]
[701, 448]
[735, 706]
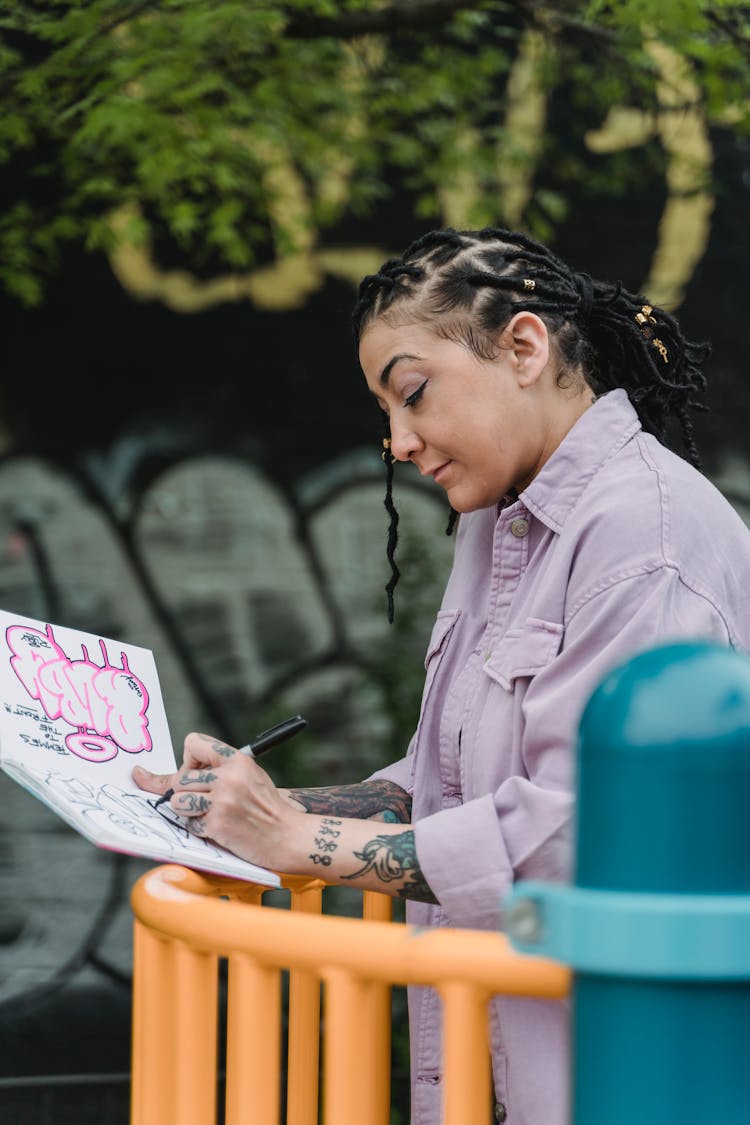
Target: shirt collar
[597, 435]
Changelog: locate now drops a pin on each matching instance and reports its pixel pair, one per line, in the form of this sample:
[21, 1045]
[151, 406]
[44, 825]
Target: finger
[190, 804]
[202, 750]
[197, 779]
[153, 782]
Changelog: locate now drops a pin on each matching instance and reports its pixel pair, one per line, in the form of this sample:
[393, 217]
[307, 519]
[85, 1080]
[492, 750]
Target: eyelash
[414, 398]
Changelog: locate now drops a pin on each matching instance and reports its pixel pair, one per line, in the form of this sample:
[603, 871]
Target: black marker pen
[260, 744]
[271, 737]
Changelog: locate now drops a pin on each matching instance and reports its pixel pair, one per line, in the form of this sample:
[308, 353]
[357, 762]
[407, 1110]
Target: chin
[469, 504]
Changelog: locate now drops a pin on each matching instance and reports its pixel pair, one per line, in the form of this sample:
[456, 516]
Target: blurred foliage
[239, 131]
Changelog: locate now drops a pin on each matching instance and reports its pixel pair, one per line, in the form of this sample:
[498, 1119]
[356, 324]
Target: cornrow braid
[466, 286]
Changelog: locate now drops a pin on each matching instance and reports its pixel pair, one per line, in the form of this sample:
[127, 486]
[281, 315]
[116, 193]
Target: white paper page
[77, 712]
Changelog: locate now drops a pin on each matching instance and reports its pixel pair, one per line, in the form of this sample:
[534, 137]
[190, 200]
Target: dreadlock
[467, 285]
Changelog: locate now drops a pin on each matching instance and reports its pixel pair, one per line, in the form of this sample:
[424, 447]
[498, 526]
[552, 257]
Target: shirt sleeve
[398, 772]
[471, 854]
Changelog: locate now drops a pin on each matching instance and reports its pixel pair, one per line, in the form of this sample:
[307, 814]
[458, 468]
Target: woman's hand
[224, 794]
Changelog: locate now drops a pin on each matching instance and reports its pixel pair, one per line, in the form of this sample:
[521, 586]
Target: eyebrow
[385, 374]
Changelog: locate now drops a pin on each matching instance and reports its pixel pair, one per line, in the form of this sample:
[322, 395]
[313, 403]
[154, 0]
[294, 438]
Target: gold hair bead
[661, 348]
[529, 283]
[387, 450]
[644, 318]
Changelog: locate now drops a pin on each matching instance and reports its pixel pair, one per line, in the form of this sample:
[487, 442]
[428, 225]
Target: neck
[568, 409]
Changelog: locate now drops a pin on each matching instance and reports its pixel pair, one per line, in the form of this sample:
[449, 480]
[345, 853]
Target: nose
[405, 442]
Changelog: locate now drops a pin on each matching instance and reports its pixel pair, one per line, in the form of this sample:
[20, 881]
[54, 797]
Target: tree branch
[414, 15]
[409, 16]
[733, 31]
[79, 48]
[131, 14]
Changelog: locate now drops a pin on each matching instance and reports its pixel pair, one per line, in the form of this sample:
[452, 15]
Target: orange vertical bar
[377, 1099]
[375, 1044]
[195, 992]
[253, 1042]
[347, 1069]
[465, 1052]
[303, 1039]
[377, 907]
[153, 1062]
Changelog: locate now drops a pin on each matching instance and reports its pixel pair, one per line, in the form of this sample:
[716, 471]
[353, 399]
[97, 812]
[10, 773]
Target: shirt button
[519, 527]
[500, 1111]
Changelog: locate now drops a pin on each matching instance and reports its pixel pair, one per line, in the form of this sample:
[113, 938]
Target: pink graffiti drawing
[106, 704]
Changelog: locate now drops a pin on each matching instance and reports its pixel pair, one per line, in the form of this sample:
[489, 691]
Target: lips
[438, 473]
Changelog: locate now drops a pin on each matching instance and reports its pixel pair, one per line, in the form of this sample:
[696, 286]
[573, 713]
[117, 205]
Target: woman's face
[480, 427]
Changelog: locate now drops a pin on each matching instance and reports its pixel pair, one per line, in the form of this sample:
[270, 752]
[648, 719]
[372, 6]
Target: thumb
[152, 782]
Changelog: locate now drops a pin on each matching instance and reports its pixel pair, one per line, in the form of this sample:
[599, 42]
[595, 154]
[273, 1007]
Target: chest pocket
[441, 630]
[524, 651]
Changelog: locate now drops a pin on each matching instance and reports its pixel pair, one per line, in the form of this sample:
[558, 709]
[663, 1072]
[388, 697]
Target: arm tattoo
[325, 842]
[360, 801]
[395, 857]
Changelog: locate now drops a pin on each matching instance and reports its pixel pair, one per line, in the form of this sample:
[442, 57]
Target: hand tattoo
[361, 801]
[220, 748]
[205, 777]
[395, 857]
[194, 803]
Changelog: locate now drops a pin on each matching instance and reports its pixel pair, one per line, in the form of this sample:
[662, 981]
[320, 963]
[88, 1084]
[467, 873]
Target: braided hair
[467, 285]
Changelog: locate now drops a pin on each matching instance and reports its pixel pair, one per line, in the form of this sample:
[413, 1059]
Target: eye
[415, 396]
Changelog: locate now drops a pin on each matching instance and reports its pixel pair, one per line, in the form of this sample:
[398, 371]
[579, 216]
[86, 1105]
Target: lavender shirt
[617, 545]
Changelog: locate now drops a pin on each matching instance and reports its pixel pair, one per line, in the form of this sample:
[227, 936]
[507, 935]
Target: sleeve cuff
[463, 858]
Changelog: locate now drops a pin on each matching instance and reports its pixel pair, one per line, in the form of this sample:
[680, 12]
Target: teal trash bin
[656, 925]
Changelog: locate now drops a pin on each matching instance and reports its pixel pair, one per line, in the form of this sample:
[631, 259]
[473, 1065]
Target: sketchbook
[77, 712]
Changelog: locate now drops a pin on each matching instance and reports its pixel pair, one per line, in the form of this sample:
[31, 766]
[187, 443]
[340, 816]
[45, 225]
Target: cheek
[479, 439]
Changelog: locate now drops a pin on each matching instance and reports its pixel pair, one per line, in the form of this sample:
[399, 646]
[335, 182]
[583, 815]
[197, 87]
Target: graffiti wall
[244, 595]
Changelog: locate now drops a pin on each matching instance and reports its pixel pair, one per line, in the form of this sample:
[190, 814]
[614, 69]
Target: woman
[538, 400]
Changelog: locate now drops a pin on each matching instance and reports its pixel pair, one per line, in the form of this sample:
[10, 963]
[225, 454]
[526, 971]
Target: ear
[526, 336]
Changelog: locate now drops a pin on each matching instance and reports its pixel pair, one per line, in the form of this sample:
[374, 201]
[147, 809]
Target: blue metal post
[657, 923]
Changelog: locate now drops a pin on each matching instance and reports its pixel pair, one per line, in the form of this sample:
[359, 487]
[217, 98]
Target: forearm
[227, 797]
[352, 852]
[366, 800]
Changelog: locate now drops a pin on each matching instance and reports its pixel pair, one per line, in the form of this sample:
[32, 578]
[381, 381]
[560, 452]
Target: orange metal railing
[185, 922]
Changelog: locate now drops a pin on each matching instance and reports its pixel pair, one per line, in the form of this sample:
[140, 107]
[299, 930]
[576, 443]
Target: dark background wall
[95, 362]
